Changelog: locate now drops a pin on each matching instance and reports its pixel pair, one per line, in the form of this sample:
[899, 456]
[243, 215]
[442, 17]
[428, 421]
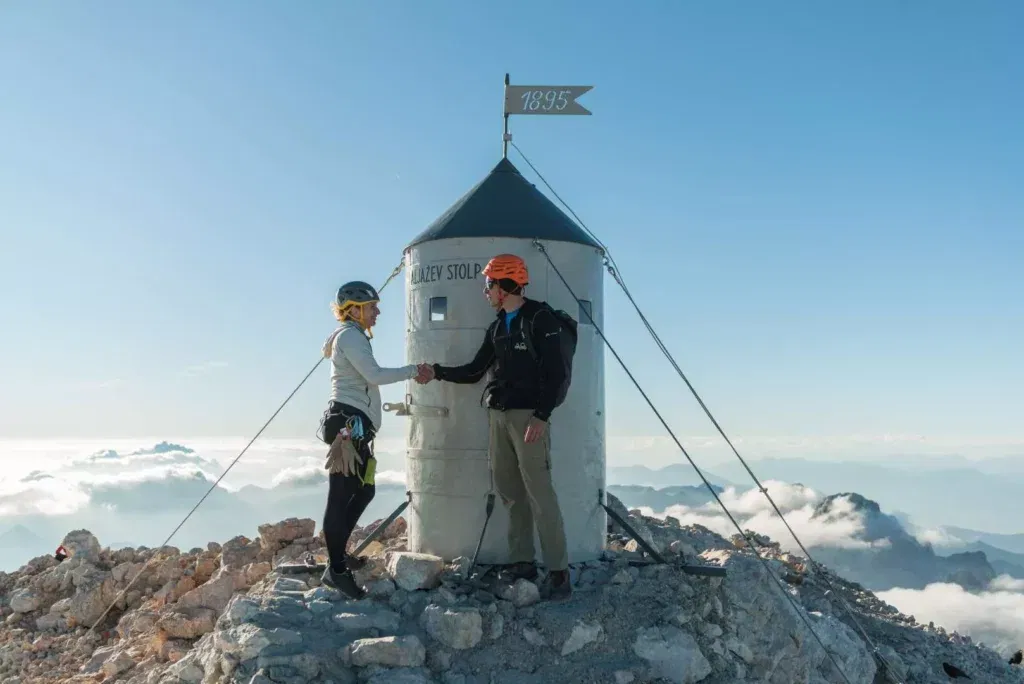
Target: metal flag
[540, 100]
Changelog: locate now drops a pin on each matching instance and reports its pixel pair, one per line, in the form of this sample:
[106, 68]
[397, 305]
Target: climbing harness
[124, 591]
[609, 263]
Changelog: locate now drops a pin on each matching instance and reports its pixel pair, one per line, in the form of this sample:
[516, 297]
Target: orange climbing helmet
[507, 267]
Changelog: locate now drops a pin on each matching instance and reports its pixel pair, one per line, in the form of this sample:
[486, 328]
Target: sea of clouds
[136, 492]
[843, 528]
[994, 616]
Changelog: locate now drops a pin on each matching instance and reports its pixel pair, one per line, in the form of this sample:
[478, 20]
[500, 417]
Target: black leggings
[347, 495]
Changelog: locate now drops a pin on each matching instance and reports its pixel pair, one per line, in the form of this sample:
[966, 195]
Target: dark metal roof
[504, 204]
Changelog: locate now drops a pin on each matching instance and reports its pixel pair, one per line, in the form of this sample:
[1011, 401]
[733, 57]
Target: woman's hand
[424, 373]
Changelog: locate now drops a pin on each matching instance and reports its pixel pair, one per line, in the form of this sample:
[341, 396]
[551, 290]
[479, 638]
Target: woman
[350, 423]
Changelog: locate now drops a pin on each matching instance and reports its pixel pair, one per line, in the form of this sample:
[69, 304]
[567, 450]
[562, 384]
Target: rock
[217, 592]
[412, 571]
[397, 528]
[188, 622]
[248, 641]
[274, 536]
[741, 650]
[457, 628]
[82, 544]
[622, 577]
[383, 620]
[522, 593]
[49, 622]
[533, 637]
[118, 663]
[254, 572]
[241, 609]
[24, 601]
[673, 654]
[184, 671]
[391, 651]
[624, 677]
[304, 665]
[711, 630]
[849, 651]
[239, 552]
[497, 627]
[583, 633]
[90, 600]
[894, 661]
[399, 676]
[173, 650]
[288, 585]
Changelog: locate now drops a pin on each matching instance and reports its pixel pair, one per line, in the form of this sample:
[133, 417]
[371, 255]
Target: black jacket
[519, 382]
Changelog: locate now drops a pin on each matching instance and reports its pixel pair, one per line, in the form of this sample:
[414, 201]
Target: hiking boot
[355, 562]
[343, 582]
[559, 585]
[514, 571]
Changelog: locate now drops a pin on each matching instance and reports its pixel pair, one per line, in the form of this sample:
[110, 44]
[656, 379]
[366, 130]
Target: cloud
[164, 453]
[315, 475]
[127, 492]
[935, 536]
[841, 528]
[158, 489]
[995, 616]
[391, 477]
[47, 496]
[147, 479]
[1007, 583]
[299, 476]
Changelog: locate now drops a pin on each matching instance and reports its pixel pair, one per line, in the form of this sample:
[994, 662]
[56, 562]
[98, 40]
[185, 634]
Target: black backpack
[567, 343]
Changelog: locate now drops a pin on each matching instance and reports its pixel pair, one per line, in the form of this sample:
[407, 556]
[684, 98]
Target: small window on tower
[585, 312]
[438, 308]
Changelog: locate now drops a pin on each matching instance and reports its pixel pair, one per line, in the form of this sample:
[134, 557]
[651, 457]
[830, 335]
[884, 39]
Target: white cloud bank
[994, 617]
[752, 510]
[138, 493]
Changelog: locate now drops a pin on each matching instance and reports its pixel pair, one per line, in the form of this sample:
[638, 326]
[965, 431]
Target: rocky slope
[225, 614]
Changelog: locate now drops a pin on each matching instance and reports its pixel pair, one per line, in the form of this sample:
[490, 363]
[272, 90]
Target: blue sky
[818, 208]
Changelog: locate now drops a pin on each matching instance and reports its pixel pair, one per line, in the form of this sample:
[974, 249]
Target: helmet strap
[361, 319]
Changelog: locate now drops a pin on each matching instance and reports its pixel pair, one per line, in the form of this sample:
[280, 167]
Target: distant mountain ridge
[895, 557]
[660, 499]
[918, 490]
[1013, 543]
[675, 474]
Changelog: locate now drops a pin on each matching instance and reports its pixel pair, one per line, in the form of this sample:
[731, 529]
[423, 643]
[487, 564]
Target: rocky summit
[231, 613]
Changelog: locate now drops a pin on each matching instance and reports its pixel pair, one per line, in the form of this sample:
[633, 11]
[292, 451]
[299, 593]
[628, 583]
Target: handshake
[424, 373]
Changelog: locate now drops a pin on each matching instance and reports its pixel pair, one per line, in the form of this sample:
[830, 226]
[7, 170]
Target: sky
[819, 211]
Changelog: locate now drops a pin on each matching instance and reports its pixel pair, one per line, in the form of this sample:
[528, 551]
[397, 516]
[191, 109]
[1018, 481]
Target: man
[520, 399]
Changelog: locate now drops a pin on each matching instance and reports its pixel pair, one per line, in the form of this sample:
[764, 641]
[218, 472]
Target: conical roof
[504, 204]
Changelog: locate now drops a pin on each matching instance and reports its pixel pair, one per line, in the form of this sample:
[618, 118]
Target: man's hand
[534, 429]
[424, 373]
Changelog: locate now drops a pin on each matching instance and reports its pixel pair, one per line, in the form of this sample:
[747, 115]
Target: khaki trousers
[521, 474]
